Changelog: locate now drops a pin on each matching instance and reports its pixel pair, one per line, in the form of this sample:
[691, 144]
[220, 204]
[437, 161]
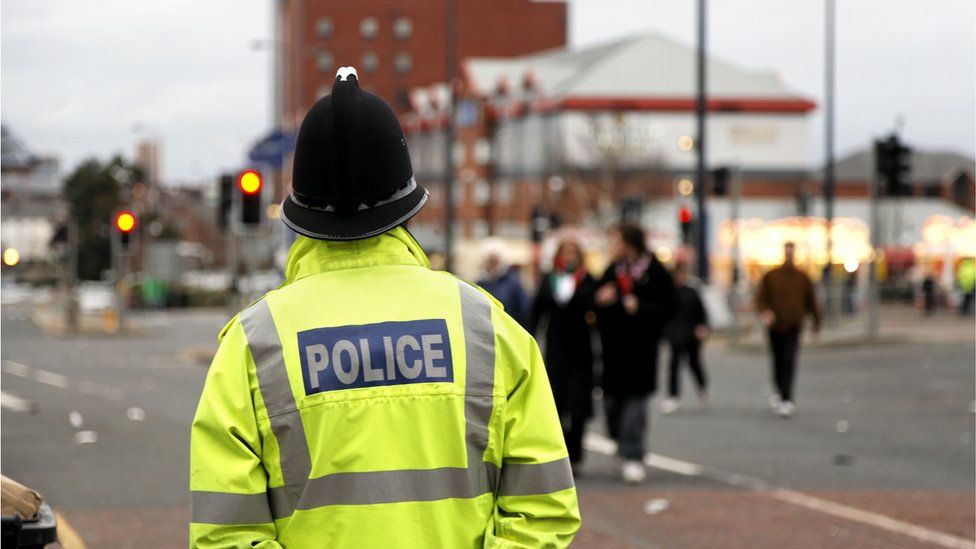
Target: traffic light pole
[875, 222]
[120, 267]
[700, 190]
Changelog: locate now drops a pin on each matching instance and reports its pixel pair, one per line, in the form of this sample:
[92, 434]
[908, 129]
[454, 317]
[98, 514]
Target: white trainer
[774, 401]
[633, 472]
[786, 409]
[669, 406]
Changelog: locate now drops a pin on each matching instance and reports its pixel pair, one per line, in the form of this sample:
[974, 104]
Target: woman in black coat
[634, 300]
[564, 301]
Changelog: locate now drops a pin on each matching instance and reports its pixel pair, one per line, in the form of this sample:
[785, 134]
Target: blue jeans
[627, 422]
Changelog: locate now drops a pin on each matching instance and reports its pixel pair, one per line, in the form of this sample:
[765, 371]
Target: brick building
[397, 44]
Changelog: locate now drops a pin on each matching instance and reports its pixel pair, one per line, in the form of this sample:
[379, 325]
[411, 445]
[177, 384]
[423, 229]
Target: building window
[403, 62]
[325, 61]
[504, 192]
[482, 192]
[369, 27]
[371, 62]
[402, 28]
[482, 151]
[458, 153]
[323, 28]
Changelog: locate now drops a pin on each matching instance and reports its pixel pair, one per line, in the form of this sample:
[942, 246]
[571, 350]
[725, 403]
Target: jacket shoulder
[459, 280]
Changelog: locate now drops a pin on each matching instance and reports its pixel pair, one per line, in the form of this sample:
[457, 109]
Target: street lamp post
[828, 174]
[450, 69]
[700, 108]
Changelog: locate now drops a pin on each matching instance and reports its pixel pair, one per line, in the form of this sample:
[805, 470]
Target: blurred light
[850, 264]
[11, 257]
[684, 214]
[125, 221]
[249, 181]
[664, 255]
[138, 190]
[273, 210]
[686, 143]
[686, 187]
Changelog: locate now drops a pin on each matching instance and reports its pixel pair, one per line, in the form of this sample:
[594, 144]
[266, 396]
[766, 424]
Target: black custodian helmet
[352, 176]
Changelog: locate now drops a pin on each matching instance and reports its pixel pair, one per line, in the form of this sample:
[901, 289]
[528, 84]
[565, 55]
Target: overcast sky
[82, 78]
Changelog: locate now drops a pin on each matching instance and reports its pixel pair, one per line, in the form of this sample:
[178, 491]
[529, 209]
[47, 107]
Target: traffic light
[125, 223]
[225, 200]
[250, 184]
[720, 180]
[685, 220]
[893, 162]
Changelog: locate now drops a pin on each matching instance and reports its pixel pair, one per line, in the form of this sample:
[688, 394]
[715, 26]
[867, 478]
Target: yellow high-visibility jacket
[372, 402]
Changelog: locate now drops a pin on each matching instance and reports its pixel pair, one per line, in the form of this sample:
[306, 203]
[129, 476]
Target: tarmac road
[880, 453]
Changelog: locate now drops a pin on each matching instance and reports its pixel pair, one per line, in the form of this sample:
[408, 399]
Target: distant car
[95, 296]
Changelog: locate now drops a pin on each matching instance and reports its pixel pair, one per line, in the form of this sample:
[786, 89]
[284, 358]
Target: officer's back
[370, 401]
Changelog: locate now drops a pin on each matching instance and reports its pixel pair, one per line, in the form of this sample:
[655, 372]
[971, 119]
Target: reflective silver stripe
[286, 421]
[529, 479]
[225, 508]
[479, 367]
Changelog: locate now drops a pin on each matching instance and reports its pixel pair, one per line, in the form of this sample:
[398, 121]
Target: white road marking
[51, 378]
[76, 419]
[103, 391]
[86, 437]
[602, 445]
[873, 519]
[14, 403]
[16, 368]
[135, 413]
[61, 381]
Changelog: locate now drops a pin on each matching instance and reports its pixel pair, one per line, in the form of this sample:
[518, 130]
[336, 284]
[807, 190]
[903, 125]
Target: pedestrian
[928, 294]
[501, 280]
[370, 401]
[784, 299]
[564, 304]
[686, 332]
[966, 280]
[633, 300]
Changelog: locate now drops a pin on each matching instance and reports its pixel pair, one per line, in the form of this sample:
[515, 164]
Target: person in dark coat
[564, 301]
[633, 300]
[503, 283]
[686, 332]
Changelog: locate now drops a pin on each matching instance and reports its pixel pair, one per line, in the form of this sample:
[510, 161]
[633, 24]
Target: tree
[93, 194]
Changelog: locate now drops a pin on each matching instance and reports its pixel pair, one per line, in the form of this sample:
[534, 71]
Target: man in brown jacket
[785, 297]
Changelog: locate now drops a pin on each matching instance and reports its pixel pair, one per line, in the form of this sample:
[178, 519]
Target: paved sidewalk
[896, 324]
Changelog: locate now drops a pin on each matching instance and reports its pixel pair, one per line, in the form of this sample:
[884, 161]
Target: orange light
[684, 214]
[249, 181]
[125, 221]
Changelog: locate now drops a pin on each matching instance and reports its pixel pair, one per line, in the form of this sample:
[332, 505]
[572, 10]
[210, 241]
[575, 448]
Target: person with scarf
[634, 301]
[564, 303]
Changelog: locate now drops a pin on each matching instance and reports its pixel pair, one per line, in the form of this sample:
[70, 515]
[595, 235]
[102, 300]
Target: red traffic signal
[125, 221]
[249, 182]
[684, 215]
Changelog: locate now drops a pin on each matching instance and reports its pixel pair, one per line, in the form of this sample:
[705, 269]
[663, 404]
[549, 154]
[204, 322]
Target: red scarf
[627, 273]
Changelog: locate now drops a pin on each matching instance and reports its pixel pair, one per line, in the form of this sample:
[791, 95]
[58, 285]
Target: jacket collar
[394, 247]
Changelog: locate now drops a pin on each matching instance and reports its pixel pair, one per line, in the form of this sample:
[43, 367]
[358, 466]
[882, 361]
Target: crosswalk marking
[13, 402]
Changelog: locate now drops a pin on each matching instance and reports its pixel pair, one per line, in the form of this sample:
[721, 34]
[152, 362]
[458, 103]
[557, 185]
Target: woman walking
[634, 300]
[563, 302]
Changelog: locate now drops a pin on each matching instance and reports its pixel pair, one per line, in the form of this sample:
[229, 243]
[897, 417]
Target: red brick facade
[406, 40]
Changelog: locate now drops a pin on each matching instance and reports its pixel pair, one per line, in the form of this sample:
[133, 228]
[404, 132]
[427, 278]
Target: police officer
[370, 401]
